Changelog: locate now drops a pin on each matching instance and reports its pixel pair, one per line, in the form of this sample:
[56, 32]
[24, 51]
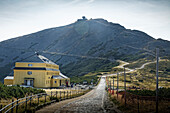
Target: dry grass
[145, 104]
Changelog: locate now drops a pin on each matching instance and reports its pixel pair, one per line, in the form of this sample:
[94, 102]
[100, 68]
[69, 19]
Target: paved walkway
[93, 102]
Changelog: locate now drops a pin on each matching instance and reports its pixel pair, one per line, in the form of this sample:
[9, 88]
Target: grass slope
[86, 66]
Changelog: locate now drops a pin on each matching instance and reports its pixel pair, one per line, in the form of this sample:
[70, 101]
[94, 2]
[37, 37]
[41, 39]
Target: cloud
[74, 1]
[90, 1]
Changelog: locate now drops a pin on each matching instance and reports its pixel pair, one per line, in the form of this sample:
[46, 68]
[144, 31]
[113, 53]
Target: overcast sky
[21, 17]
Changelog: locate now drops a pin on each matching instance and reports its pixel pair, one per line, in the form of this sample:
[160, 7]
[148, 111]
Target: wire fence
[131, 103]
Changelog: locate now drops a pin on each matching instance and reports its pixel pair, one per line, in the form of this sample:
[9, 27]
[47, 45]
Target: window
[55, 82]
[25, 82]
[31, 82]
[29, 72]
[29, 65]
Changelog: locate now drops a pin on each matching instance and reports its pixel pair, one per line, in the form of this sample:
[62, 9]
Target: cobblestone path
[95, 101]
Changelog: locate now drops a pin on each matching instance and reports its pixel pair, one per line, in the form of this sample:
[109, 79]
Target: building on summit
[41, 74]
[83, 19]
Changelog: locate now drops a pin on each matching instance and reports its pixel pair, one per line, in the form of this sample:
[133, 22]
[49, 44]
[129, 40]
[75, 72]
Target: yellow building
[8, 80]
[42, 74]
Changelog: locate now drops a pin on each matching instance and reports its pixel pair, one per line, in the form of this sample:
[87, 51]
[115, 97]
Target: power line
[143, 49]
[80, 56]
[56, 53]
[71, 55]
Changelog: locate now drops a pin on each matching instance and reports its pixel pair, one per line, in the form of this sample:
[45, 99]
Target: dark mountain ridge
[94, 37]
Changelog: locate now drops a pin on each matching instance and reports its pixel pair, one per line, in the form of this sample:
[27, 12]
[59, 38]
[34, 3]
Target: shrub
[17, 91]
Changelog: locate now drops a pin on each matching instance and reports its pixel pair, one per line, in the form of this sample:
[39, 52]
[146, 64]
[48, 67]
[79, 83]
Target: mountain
[93, 38]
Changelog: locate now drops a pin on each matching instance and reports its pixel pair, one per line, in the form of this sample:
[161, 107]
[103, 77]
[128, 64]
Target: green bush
[17, 91]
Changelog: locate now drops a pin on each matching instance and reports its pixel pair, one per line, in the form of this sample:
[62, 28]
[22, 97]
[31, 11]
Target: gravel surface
[95, 101]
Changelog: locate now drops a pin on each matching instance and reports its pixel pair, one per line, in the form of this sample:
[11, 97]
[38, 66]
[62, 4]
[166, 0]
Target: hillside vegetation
[81, 79]
[146, 77]
[139, 63]
[163, 92]
[86, 66]
[16, 91]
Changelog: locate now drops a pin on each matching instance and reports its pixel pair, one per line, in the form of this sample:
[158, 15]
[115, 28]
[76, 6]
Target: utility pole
[110, 84]
[157, 65]
[113, 84]
[125, 84]
[117, 83]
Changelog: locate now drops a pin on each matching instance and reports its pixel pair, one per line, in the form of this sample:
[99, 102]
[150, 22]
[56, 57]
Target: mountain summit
[95, 38]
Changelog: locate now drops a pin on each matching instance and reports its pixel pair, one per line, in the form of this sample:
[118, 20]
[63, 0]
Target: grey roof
[38, 58]
[45, 60]
[57, 77]
[9, 77]
[63, 75]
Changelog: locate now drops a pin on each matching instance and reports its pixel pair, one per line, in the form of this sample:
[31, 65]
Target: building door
[28, 83]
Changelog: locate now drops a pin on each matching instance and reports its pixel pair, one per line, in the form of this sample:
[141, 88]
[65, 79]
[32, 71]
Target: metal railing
[46, 98]
[19, 101]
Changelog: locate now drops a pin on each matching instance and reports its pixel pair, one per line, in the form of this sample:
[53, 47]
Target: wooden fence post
[45, 98]
[51, 93]
[56, 94]
[38, 99]
[12, 106]
[78, 92]
[17, 106]
[64, 95]
[26, 103]
[70, 94]
[67, 94]
[30, 100]
[138, 104]
[60, 95]
[83, 91]
[1, 108]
